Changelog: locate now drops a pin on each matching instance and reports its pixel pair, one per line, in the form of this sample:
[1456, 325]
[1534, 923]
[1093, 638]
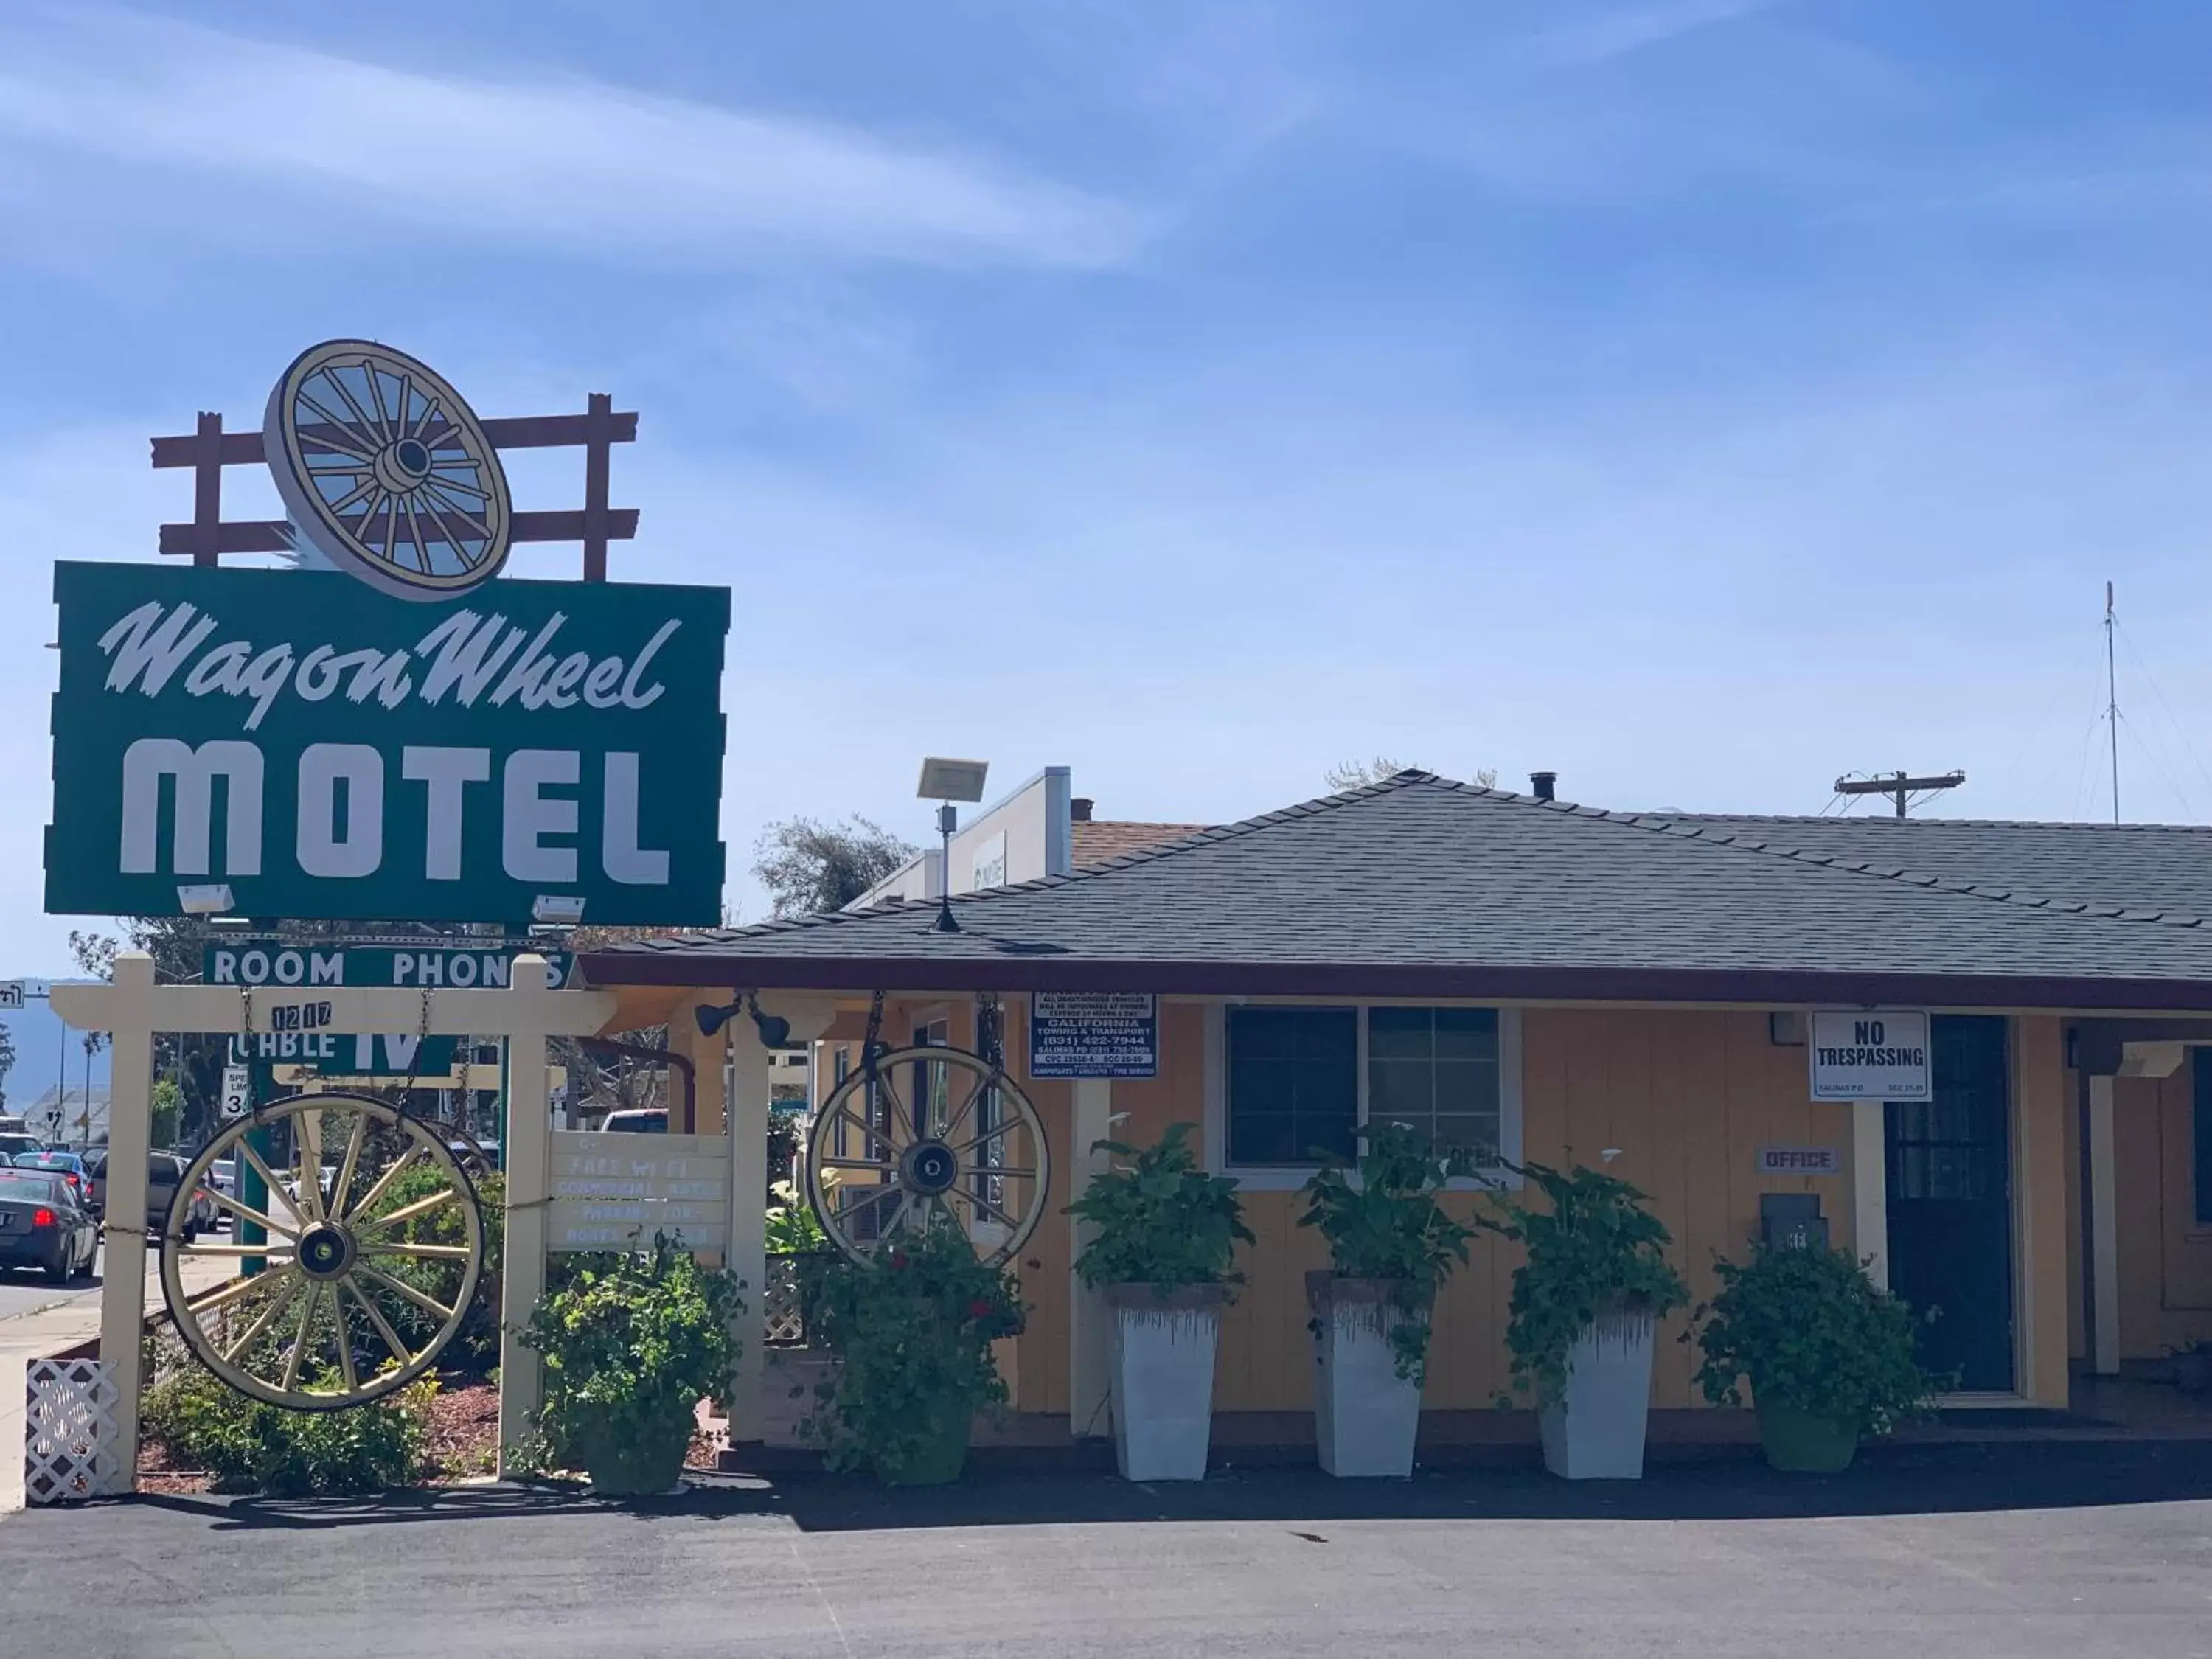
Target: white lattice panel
[72, 1447]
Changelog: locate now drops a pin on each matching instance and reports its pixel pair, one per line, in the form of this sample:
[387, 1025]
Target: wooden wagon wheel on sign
[371, 1262]
[925, 1136]
[385, 470]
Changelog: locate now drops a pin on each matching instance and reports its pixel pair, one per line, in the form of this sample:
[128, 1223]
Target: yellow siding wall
[2165, 1258]
[1685, 1095]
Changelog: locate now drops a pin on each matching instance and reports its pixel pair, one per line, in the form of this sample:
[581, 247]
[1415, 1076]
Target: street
[27, 1291]
[2036, 1550]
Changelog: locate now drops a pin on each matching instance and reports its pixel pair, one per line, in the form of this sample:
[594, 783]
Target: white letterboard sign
[1094, 1034]
[613, 1191]
[1870, 1053]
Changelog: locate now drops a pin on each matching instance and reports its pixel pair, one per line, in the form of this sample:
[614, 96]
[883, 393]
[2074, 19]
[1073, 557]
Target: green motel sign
[325, 751]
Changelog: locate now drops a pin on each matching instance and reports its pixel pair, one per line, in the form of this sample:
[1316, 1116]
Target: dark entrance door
[1950, 1203]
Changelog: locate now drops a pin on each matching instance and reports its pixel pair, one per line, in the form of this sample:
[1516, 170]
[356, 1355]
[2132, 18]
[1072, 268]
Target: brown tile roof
[1099, 840]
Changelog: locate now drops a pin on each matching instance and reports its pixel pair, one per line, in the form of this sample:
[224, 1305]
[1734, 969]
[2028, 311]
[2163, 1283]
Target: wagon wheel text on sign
[928, 1136]
[385, 470]
[353, 1301]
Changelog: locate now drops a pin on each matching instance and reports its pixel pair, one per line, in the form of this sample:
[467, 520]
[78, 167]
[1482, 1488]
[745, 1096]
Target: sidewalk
[70, 1323]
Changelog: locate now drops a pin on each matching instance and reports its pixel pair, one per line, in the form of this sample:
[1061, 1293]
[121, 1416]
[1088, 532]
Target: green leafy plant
[247, 1445]
[632, 1342]
[793, 1228]
[1382, 1220]
[1807, 1326]
[1593, 1250]
[168, 1103]
[1161, 1219]
[911, 1328]
[474, 1350]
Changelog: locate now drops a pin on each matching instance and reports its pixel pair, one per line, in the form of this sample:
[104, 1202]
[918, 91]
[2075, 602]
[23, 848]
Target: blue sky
[1701, 398]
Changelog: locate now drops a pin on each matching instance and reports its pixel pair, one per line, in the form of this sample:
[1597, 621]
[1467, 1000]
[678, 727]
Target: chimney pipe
[1078, 809]
[1544, 785]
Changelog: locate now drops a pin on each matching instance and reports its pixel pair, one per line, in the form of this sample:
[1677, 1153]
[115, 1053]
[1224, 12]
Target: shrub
[1595, 1250]
[793, 1227]
[474, 1350]
[1808, 1327]
[912, 1328]
[1161, 1219]
[1387, 1224]
[248, 1445]
[632, 1342]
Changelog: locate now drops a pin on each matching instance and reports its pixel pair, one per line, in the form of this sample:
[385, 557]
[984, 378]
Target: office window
[1436, 1070]
[1293, 1083]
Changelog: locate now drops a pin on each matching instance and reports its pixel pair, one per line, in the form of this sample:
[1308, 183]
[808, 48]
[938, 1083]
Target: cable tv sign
[296, 744]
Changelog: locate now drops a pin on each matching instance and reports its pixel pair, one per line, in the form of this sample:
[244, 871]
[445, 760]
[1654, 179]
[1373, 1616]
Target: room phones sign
[306, 747]
[1870, 1053]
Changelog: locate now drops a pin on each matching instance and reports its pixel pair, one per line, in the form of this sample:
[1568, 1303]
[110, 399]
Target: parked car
[639, 1120]
[165, 1176]
[55, 1160]
[15, 1143]
[42, 1225]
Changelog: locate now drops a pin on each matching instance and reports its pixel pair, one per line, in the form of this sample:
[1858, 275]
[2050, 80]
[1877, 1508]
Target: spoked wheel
[385, 470]
[932, 1135]
[370, 1264]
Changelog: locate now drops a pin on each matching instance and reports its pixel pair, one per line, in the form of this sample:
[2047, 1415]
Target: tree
[1357, 775]
[809, 866]
[168, 1112]
[6, 1061]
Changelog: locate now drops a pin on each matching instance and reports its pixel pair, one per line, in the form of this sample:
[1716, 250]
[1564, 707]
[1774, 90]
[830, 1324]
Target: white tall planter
[1595, 1430]
[1366, 1415]
[1163, 1345]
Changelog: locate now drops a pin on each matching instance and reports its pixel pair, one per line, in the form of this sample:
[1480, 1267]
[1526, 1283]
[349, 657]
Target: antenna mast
[2112, 702]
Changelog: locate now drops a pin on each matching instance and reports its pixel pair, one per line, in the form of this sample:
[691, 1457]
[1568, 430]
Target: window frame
[1288, 1178]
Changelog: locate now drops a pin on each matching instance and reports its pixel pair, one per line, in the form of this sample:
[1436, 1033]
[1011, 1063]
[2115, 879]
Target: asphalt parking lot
[2024, 1551]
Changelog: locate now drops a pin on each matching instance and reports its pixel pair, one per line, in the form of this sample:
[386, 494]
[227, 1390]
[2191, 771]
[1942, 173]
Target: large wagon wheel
[925, 1136]
[385, 471]
[318, 1327]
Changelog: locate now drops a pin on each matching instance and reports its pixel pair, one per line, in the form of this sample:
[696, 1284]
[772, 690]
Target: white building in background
[1041, 829]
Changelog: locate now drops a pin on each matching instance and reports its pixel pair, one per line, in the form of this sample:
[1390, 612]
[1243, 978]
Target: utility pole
[1898, 786]
[2112, 702]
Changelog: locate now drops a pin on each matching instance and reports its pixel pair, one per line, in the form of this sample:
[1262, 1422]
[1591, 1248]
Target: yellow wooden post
[529, 1185]
[1091, 1121]
[130, 1142]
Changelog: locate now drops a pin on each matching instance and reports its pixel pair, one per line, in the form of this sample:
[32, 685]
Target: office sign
[430, 966]
[349, 1053]
[1869, 1054]
[614, 1191]
[289, 743]
[1799, 1161]
[1094, 1034]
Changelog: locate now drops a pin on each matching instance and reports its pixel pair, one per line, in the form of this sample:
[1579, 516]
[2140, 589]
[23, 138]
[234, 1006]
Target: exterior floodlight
[204, 898]
[556, 910]
[952, 780]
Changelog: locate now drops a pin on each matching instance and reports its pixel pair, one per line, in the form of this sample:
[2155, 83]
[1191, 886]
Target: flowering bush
[911, 1328]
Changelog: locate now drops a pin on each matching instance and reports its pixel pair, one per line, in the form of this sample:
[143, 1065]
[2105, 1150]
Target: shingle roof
[1097, 839]
[1416, 884]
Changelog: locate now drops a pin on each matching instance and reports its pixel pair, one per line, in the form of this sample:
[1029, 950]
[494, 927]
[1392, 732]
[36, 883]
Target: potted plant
[1594, 1285]
[911, 1330]
[631, 1343]
[1391, 1244]
[1167, 1233]
[1829, 1357]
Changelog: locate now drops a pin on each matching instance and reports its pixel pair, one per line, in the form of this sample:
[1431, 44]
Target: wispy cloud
[562, 160]
[1616, 34]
